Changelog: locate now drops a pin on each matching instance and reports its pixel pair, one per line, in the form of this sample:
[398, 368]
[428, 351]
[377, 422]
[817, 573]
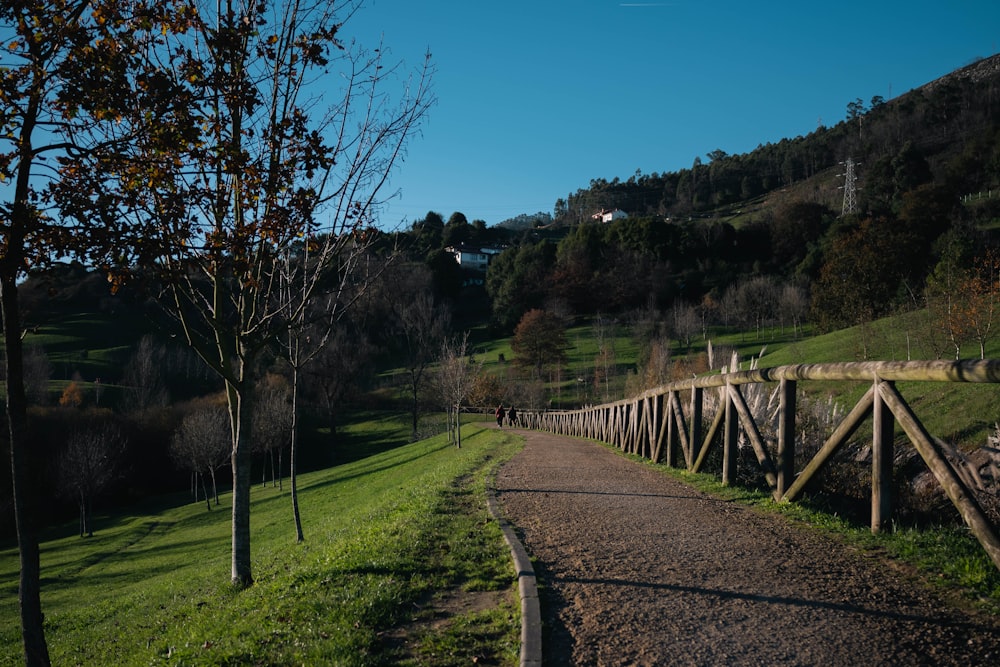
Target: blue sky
[538, 97]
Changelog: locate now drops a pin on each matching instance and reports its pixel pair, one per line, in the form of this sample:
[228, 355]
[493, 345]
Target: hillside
[724, 266]
[387, 537]
[952, 117]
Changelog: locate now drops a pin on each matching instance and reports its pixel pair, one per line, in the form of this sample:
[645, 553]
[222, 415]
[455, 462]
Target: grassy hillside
[386, 533]
[385, 536]
[97, 346]
[962, 414]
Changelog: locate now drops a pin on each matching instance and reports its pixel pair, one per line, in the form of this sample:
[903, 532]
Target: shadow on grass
[99, 569]
[372, 469]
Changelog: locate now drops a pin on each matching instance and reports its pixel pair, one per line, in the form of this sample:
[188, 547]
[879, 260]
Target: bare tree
[418, 326]
[87, 465]
[756, 300]
[946, 300]
[685, 322]
[658, 366]
[728, 306]
[143, 378]
[982, 291]
[37, 373]
[606, 362]
[423, 324]
[313, 320]
[455, 376]
[272, 422]
[279, 133]
[793, 307]
[337, 370]
[202, 444]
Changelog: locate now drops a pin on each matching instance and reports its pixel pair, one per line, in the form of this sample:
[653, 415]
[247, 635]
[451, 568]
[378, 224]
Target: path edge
[527, 587]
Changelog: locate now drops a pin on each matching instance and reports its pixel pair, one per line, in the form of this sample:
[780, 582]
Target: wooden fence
[656, 426]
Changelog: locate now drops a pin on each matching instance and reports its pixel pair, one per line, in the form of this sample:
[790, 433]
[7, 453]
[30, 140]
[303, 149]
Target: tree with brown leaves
[68, 69]
[286, 136]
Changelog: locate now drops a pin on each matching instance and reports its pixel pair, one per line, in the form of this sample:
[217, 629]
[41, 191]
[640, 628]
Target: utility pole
[850, 205]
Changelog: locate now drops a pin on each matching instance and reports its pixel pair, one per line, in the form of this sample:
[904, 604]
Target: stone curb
[527, 586]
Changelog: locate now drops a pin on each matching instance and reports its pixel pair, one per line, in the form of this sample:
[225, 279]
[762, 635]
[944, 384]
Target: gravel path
[636, 568]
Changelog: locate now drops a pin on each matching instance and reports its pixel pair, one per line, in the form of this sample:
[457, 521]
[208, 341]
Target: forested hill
[752, 229]
[950, 122]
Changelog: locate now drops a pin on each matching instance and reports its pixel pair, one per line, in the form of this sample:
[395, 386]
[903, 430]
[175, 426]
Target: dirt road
[636, 568]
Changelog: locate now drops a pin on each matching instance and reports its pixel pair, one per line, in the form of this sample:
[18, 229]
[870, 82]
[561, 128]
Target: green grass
[961, 414]
[384, 534]
[152, 587]
[370, 432]
[90, 344]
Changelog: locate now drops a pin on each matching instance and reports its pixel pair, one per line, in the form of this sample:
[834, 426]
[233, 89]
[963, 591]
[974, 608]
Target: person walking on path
[499, 414]
[512, 416]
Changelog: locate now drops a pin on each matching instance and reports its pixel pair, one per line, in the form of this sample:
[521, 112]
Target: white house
[474, 258]
[610, 216]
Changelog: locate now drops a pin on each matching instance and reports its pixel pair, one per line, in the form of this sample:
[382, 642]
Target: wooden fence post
[755, 439]
[786, 435]
[697, 403]
[836, 440]
[680, 428]
[648, 416]
[671, 457]
[635, 418]
[882, 456]
[731, 433]
[607, 421]
[935, 459]
[706, 445]
[653, 431]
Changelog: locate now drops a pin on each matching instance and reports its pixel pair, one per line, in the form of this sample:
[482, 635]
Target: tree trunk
[451, 427]
[36, 651]
[88, 515]
[241, 414]
[215, 487]
[331, 416]
[293, 456]
[415, 407]
[204, 489]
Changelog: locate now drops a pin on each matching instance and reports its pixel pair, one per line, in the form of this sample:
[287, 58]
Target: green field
[960, 413]
[386, 536]
[398, 527]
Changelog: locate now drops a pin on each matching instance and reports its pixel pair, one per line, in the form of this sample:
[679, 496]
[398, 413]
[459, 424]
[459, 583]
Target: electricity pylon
[850, 192]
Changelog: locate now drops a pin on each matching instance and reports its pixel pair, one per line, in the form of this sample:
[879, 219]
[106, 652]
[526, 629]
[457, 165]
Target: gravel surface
[636, 568]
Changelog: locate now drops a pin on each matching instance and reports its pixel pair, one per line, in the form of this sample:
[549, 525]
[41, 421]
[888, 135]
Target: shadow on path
[638, 568]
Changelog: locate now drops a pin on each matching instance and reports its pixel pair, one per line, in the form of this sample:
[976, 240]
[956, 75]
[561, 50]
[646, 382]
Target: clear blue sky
[538, 97]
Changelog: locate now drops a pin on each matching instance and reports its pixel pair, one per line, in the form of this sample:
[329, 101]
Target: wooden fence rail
[654, 425]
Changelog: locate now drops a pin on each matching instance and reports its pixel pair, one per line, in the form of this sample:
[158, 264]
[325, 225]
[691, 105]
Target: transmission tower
[850, 192]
